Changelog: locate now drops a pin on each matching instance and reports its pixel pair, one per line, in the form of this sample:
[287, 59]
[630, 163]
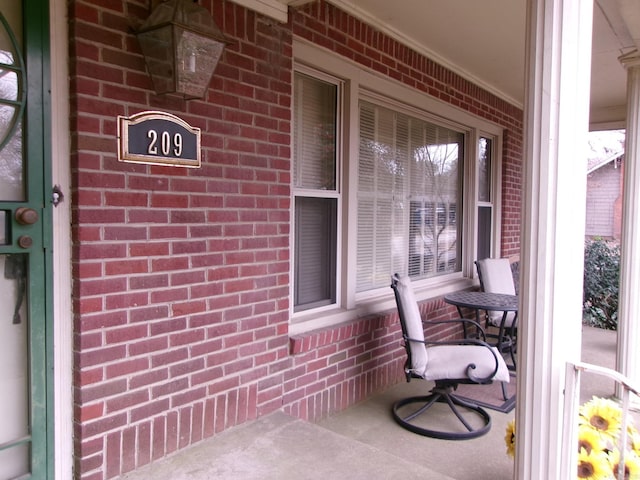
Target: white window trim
[360, 83]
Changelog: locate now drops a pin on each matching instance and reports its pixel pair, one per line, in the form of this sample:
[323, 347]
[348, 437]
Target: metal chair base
[456, 404]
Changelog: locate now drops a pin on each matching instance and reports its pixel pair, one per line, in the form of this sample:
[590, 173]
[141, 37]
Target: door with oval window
[25, 231]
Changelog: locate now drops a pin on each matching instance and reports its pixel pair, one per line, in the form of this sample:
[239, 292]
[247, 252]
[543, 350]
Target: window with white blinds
[409, 192]
[315, 191]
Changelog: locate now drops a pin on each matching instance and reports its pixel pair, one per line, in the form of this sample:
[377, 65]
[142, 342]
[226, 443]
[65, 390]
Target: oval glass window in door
[12, 101]
[15, 403]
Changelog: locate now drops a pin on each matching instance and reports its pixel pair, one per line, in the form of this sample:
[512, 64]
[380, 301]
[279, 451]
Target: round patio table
[487, 301]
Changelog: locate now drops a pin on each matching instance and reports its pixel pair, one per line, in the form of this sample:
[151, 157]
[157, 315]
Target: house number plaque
[158, 138]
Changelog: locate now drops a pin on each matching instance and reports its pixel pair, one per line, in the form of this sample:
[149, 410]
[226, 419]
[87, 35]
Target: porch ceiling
[484, 42]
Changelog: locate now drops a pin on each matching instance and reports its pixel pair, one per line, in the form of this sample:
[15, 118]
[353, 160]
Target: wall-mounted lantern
[182, 45]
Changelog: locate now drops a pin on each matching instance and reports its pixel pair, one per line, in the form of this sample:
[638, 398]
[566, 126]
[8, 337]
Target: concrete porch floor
[362, 442]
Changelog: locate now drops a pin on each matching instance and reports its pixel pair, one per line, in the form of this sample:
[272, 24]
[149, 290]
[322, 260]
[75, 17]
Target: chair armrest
[463, 321]
[472, 366]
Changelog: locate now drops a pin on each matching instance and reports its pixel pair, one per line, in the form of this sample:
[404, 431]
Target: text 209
[164, 144]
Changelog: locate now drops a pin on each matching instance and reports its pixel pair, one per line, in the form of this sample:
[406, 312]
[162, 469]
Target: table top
[483, 300]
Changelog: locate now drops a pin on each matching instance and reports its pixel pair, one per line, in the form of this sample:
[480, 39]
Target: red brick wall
[511, 188]
[181, 276]
[338, 367]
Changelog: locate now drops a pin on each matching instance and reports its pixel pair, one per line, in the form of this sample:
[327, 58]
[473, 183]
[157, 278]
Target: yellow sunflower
[631, 465]
[593, 466]
[510, 438]
[603, 415]
[590, 439]
[633, 439]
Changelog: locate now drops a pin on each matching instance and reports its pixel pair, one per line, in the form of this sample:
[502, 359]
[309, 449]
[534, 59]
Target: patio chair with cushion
[447, 364]
[496, 275]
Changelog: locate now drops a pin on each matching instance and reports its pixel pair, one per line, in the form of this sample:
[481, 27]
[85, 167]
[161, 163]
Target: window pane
[382, 222]
[12, 182]
[314, 139]
[315, 252]
[409, 188]
[484, 232]
[433, 235]
[484, 169]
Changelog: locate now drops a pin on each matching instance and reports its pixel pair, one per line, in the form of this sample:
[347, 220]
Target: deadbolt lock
[25, 241]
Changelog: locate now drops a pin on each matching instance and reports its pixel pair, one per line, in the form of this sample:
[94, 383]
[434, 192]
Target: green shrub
[601, 284]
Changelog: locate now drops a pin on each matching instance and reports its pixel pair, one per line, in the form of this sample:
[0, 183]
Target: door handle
[26, 216]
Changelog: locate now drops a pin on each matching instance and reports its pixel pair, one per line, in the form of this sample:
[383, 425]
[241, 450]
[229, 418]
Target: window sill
[317, 320]
[375, 303]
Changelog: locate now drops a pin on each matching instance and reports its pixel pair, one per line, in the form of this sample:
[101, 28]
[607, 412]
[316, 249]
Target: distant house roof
[596, 163]
[604, 148]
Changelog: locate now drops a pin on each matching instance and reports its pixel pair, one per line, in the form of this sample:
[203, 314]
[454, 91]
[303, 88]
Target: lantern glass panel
[197, 57]
[157, 47]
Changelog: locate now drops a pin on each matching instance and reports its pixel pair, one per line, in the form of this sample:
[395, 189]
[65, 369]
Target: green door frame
[36, 135]
[38, 149]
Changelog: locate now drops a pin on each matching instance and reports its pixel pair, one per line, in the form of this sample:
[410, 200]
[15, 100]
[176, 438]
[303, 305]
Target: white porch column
[628, 354]
[558, 58]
